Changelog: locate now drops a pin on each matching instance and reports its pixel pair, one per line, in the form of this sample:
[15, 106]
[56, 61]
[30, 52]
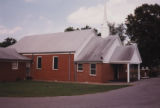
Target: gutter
[47, 52]
[88, 61]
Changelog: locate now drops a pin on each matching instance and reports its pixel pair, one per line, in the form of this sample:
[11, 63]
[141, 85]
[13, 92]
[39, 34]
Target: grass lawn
[42, 89]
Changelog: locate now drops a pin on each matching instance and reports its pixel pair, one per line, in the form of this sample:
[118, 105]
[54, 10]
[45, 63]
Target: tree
[112, 29]
[7, 42]
[143, 28]
[86, 27]
[120, 30]
[68, 29]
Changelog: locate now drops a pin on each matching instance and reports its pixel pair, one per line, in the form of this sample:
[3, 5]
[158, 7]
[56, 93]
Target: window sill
[79, 70]
[55, 69]
[14, 68]
[92, 74]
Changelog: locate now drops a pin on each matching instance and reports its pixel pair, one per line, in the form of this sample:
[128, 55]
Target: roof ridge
[56, 33]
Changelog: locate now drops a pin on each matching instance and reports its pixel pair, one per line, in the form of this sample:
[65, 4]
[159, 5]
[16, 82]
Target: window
[55, 63]
[15, 65]
[28, 65]
[93, 69]
[79, 67]
[39, 62]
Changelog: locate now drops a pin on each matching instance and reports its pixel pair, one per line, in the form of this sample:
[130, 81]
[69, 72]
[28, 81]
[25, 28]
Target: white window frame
[37, 62]
[53, 63]
[91, 69]
[28, 65]
[78, 68]
[15, 65]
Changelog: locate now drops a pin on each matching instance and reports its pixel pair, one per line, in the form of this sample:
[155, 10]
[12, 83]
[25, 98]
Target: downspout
[75, 71]
[31, 65]
[69, 66]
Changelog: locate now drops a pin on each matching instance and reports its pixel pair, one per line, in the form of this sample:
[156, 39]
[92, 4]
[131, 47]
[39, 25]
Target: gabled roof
[11, 55]
[126, 54]
[56, 42]
[96, 49]
[86, 45]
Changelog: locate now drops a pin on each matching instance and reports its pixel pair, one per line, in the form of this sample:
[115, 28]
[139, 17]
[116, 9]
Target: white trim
[53, 63]
[128, 73]
[124, 62]
[135, 57]
[95, 69]
[139, 74]
[16, 65]
[138, 53]
[37, 62]
[78, 66]
[46, 53]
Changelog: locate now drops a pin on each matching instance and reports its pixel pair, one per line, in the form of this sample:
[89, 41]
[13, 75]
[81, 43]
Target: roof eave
[124, 62]
[12, 60]
[47, 52]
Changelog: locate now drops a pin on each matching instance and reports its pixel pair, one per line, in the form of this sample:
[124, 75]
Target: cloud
[46, 20]
[29, 1]
[6, 31]
[34, 24]
[84, 15]
[117, 11]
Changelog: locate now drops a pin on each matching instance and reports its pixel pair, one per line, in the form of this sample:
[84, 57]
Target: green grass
[42, 89]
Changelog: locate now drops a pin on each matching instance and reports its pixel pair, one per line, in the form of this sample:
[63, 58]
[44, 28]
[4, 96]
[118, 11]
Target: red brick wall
[104, 73]
[108, 72]
[7, 74]
[47, 73]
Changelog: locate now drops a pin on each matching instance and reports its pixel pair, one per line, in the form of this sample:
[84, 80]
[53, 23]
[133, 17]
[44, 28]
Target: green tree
[68, 29]
[7, 42]
[120, 30]
[112, 29]
[143, 27]
[86, 27]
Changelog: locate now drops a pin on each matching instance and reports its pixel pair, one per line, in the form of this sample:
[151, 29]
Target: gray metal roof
[11, 54]
[96, 49]
[56, 42]
[124, 54]
[87, 46]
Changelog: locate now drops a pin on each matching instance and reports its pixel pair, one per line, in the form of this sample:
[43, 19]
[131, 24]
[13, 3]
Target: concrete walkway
[144, 94]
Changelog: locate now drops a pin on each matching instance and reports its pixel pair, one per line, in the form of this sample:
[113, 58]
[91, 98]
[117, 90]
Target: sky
[19, 18]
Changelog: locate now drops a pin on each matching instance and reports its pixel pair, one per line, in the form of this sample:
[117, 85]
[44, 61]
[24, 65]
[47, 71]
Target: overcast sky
[19, 18]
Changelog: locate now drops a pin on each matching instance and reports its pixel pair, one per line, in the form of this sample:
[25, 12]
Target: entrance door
[116, 69]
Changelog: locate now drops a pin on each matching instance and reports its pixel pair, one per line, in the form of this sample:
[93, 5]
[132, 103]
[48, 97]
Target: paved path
[145, 94]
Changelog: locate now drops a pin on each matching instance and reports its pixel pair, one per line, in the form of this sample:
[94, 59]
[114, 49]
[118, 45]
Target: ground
[144, 94]
[44, 89]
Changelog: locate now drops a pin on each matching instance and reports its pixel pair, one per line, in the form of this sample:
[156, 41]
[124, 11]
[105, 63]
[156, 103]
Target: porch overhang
[128, 67]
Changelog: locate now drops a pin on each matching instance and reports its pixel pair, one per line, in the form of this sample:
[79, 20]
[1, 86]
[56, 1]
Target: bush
[18, 79]
[153, 73]
[29, 78]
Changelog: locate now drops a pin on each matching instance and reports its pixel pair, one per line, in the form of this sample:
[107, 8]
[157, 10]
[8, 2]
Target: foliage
[68, 29]
[7, 42]
[120, 30]
[41, 89]
[86, 27]
[143, 28]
